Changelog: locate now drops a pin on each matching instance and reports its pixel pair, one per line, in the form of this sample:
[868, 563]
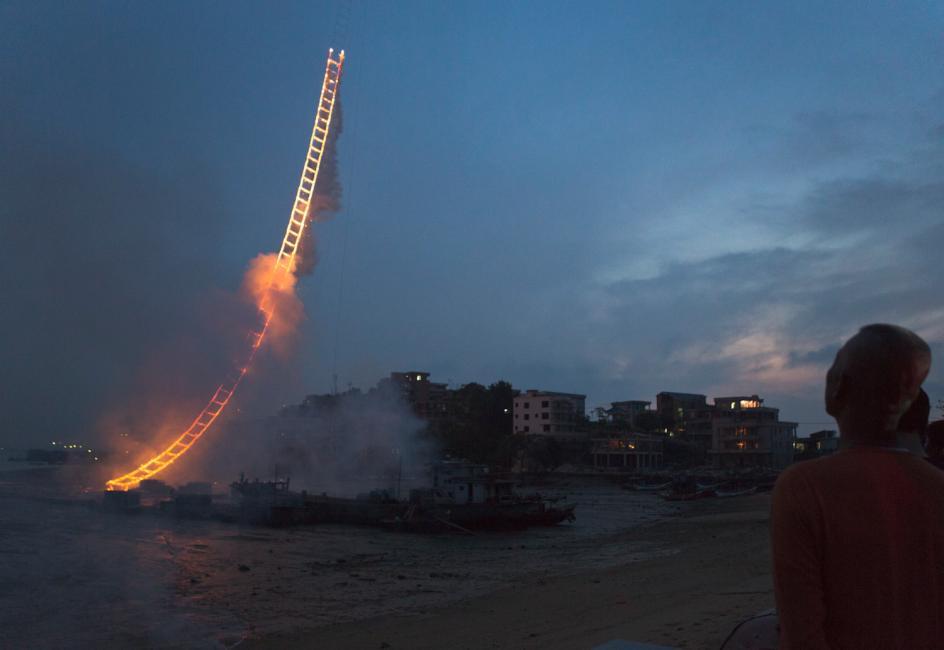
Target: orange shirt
[858, 552]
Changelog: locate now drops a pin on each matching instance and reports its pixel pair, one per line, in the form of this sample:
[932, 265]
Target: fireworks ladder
[285, 263]
[316, 146]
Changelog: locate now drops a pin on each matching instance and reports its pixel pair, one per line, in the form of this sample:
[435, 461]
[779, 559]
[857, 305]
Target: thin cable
[352, 176]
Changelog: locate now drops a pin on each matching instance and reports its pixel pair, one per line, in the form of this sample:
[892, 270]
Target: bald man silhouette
[858, 537]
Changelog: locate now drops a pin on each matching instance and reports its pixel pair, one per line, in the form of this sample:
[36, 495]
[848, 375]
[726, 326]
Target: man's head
[876, 376]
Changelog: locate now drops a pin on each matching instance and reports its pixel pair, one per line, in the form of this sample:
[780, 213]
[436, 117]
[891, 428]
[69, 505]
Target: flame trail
[281, 279]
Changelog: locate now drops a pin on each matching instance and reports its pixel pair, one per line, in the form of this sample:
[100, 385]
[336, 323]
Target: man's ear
[837, 389]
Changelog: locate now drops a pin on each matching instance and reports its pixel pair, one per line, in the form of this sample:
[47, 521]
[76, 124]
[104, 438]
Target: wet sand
[713, 571]
[632, 566]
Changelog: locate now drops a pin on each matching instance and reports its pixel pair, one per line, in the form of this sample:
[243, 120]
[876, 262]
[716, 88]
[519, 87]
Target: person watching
[857, 538]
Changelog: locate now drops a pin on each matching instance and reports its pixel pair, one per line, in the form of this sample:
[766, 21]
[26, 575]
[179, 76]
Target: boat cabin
[462, 482]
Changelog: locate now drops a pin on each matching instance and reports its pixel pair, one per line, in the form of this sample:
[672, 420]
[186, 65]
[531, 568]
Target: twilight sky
[615, 199]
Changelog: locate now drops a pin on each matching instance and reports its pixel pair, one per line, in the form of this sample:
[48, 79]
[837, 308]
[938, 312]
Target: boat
[648, 487]
[736, 492]
[467, 497]
[687, 496]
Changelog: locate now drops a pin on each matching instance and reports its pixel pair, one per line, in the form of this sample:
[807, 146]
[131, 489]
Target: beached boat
[481, 516]
[648, 487]
[467, 497]
[736, 492]
[687, 496]
[707, 486]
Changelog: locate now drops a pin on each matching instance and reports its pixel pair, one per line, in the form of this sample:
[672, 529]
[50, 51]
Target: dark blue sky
[615, 199]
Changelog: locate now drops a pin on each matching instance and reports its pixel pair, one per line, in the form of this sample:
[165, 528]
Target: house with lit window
[745, 433]
[672, 407]
[541, 412]
[428, 399]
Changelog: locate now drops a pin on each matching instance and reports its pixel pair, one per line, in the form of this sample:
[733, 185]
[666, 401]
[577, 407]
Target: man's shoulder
[806, 469]
[809, 476]
[842, 466]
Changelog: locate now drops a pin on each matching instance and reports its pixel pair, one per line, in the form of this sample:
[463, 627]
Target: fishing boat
[707, 486]
[648, 487]
[687, 496]
[467, 497]
[735, 492]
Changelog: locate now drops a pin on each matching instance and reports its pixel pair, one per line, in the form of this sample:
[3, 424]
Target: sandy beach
[715, 573]
[631, 567]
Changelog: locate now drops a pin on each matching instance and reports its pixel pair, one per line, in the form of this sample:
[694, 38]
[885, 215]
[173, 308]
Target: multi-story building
[672, 406]
[696, 427]
[549, 413]
[819, 443]
[627, 411]
[745, 433]
[429, 400]
[628, 452]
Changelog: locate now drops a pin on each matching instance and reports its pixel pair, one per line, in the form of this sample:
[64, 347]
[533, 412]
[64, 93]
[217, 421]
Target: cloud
[768, 318]
[873, 204]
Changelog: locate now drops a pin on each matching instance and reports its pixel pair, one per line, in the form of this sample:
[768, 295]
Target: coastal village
[541, 430]
[482, 447]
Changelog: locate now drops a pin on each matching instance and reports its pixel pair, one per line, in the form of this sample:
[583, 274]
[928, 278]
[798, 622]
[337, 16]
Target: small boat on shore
[707, 486]
[467, 497]
[735, 492]
[687, 496]
[648, 487]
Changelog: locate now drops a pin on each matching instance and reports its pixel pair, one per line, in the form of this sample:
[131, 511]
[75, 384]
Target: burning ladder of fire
[306, 186]
[285, 263]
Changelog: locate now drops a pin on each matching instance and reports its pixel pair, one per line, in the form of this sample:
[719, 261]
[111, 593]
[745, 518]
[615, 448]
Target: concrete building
[549, 413]
[628, 452]
[745, 433]
[697, 427]
[429, 400]
[672, 406]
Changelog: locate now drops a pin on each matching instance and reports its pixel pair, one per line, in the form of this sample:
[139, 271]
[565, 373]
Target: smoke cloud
[326, 201]
[341, 444]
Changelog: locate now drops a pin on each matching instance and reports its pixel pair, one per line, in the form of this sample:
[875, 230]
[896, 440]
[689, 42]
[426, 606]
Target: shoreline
[714, 573]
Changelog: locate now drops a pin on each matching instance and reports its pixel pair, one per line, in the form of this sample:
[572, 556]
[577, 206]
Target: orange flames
[270, 282]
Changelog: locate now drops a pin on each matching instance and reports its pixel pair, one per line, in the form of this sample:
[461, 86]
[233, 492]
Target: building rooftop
[532, 392]
[670, 393]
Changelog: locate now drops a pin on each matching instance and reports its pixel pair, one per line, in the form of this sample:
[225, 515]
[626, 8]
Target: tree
[479, 420]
